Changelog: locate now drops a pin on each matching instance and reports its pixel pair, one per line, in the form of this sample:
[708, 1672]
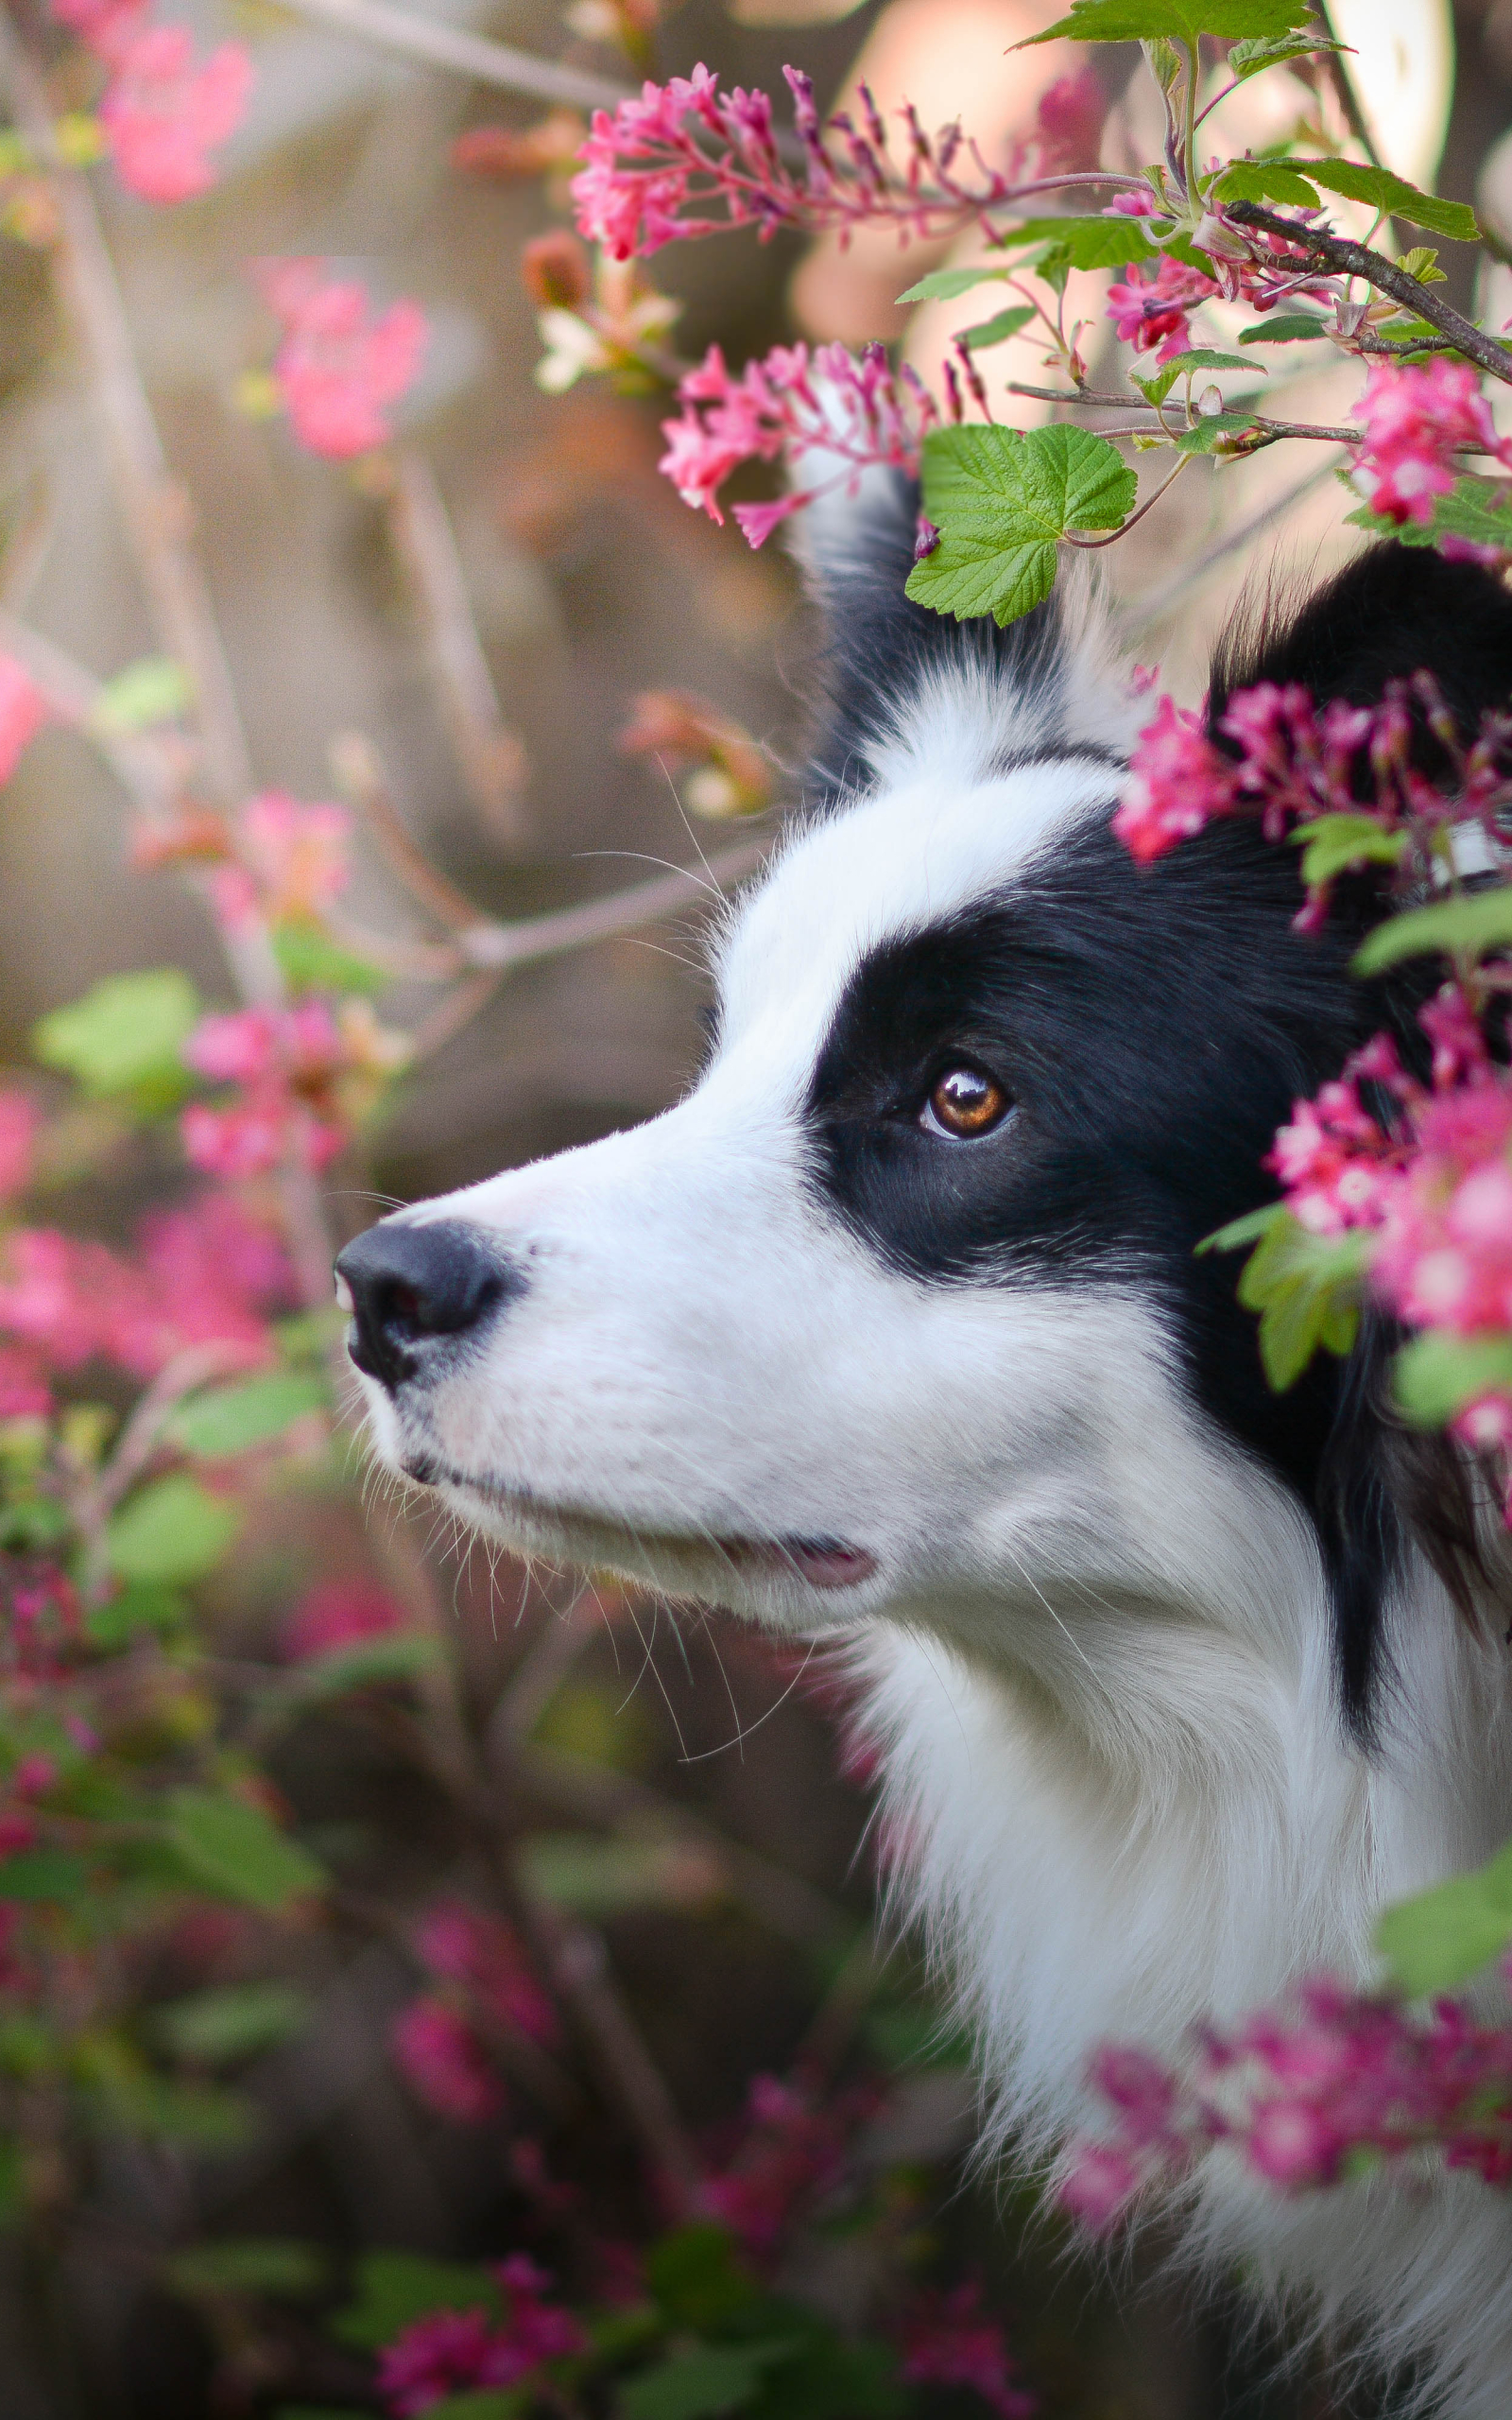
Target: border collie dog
[892, 1334]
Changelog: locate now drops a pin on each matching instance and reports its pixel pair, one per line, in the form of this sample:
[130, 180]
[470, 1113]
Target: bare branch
[432, 43]
[1357, 260]
[359, 769]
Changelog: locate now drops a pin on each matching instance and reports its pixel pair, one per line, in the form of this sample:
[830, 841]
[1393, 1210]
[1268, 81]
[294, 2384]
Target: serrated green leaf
[1357, 181]
[1287, 327]
[174, 1530]
[945, 284]
[996, 331]
[1265, 180]
[1088, 242]
[1175, 21]
[230, 1420]
[1216, 430]
[1435, 1374]
[311, 961]
[1248, 58]
[250, 2265]
[1478, 921]
[1002, 499]
[152, 690]
[125, 1035]
[1334, 842]
[232, 2021]
[236, 1850]
[697, 2385]
[1186, 365]
[34, 1875]
[394, 2288]
[1438, 1940]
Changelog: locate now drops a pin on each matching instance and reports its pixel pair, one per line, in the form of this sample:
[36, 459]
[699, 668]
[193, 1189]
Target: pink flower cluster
[456, 2352]
[205, 1273]
[164, 112]
[686, 158]
[294, 860]
[1415, 419]
[1151, 306]
[791, 2154]
[487, 1983]
[1303, 2092]
[949, 2340]
[847, 411]
[284, 1063]
[1285, 762]
[338, 369]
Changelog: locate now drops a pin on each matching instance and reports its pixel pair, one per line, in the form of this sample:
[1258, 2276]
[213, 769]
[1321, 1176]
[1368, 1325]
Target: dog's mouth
[821, 1563]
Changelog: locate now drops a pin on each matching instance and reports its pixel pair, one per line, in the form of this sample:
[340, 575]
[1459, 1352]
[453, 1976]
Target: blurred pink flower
[295, 859]
[1150, 307]
[338, 370]
[23, 712]
[25, 1394]
[204, 1274]
[485, 1954]
[337, 1613]
[443, 2062]
[18, 1136]
[1069, 122]
[1177, 783]
[104, 24]
[163, 114]
[449, 2352]
[1415, 419]
[949, 2340]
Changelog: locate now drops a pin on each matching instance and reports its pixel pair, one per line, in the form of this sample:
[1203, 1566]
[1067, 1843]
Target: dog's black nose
[410, 1286]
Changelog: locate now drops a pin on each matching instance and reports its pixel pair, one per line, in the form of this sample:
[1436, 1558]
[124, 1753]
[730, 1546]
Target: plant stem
[1356, 259]
[432, 43]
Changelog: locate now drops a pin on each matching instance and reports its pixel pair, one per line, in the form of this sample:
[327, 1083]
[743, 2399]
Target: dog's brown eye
[967, 1102]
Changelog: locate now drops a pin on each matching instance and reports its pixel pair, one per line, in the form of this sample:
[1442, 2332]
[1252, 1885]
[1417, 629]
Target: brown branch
[433, 44]
[359, 769]
[1346, 259]
[492, 759]
[138, 1443]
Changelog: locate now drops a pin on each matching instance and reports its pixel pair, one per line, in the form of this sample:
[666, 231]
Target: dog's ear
[1392, 612]
[913, 694]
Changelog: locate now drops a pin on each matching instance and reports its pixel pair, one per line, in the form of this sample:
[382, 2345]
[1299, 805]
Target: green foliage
[1477, 509]
[123, 1038]
[1182, 21]
[230, 1420]
[1216, 433]
[143, 1609]
[233, 1848]
[1436, 1374]
[1002, 499]
[1248, 58]
[997, 330]
[709, 2379]
[1333, 843]
[1090, 242]
[1438, 1940]
[311, 961]
[154, 690]
[599, 1878]
[1306, 1288]
[54, 1875]
[394, 1655]
[1265, 180]
[234, 2021]
[1357, 181]
[1185, 365]
[174, 1530]
[248, 2265]
[1465, 926]
[1287, 327]
[394, 2288]
[944, 285]
[698, 2279]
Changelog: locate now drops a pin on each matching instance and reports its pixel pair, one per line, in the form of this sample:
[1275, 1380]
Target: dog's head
[898, 1313]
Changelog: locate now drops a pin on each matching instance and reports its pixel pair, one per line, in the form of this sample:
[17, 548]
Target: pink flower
[452, 2351]
[23, 712]
[295, 860]
[234, 1049]
[1416, 419]
[1337, 1167]
[534, 2332]
[18, 1136]
[1069, 122]
[1486, 1425]
[1151, 307]
[792, 2155]
[483, 1953]
[339, 1614]
[25, 1394]
[442, 2061]
[947, 2340]
[1099, 2185]
[1177, 783]
[338, 370]
[163, 114]
[106, 26]
[1293, 2145]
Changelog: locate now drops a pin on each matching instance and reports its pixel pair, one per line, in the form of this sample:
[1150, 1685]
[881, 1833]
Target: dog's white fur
[1096, 1642]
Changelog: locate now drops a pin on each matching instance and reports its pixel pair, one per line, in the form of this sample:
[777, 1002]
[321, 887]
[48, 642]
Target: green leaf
[195, 2117]
[1247, 59]
[143, 1608]
[1333, 842]
[996, 331]
[1247, 1230]
[174, 1530]
[1265, 180]
[1306, 1289]
[944, 285]
[125, 1036]
[710, 2379]
[1184, 365]
[1287, 327]
[312, 962]
[152, 690]
[229, 1420]
[1175, 21]
[234, 2021]
[399, 1655]
[250, 2265]
[36, 1874]
[1002, 499]
[394, 2288]
[697, 2278]
[1090, 241]
[835, 2381]
[1435, 1374]
[1357, 181]
[1442, 1937]
[1216, 430]
[235, 1849]
[1472, 924]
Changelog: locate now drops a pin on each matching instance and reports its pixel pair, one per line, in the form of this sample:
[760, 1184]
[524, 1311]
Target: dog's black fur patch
[1153, 1026]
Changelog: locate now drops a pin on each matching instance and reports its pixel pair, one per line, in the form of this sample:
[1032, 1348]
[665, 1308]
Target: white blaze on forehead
[890, 867]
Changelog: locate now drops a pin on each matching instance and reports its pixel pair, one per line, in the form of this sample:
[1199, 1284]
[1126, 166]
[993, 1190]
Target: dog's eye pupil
[967, 1102]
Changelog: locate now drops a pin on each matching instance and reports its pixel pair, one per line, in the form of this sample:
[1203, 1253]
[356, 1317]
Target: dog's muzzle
[415, 1292]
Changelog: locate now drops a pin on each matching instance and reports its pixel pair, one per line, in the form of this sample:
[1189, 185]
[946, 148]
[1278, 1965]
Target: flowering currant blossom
[1415, 420]
[947, 2340]
[483, 1954]
[23, 712]
[450, 2352]
[1151, 307]
[306, 1078]
[295, 860]
[338, 370]
[443, 2062]
[339, 1614]
[163, 113]
[854, 412]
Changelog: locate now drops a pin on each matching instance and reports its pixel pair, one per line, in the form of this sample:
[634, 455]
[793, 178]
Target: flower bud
[556, 273]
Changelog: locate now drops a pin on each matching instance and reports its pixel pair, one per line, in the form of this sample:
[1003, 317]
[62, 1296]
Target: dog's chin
[783, 1579]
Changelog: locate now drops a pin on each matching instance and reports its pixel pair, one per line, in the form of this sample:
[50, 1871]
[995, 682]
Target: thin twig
[1088, 545]
[436, 44]
[1357, 260]
[360, 770]
[491, 756]
[74, 694]
[138, 1443]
